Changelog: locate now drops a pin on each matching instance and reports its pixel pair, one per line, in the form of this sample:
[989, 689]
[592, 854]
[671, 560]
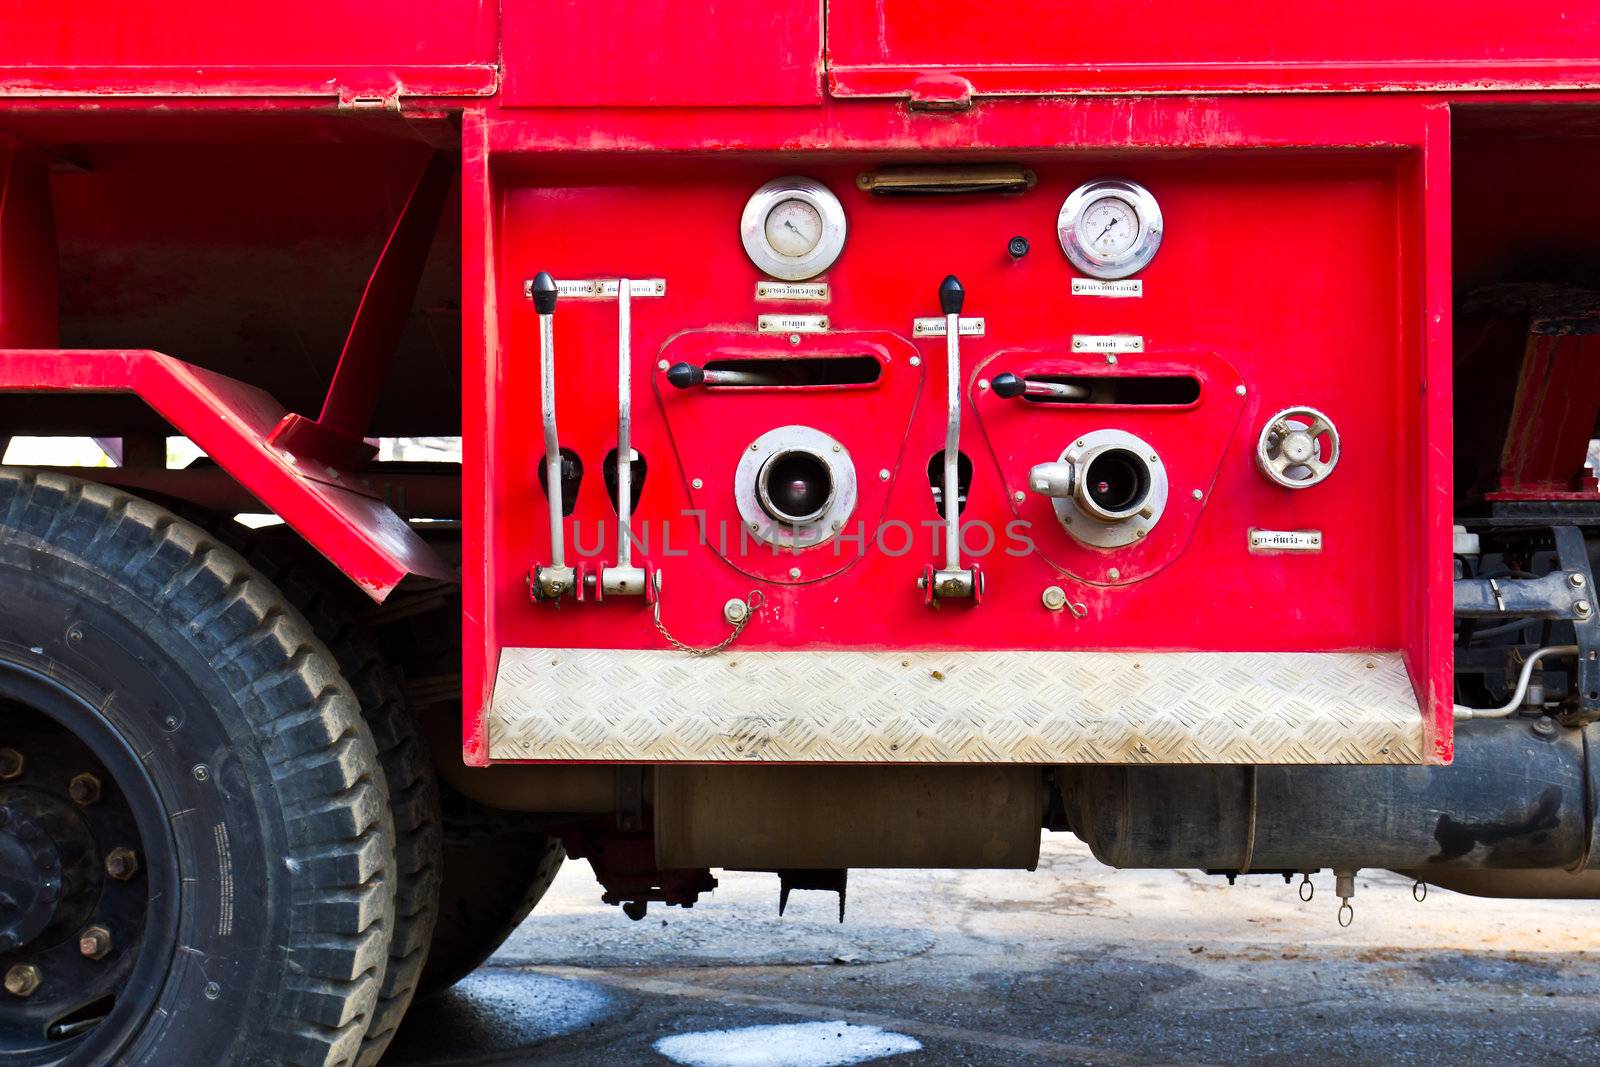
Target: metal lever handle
[624, 579]
[687, 376]
[951, 299]
[1008, 385]
[952, 580]
[557, 579]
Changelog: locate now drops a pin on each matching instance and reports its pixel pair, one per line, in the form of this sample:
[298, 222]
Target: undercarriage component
[1516, 797]
[624, 861]
[833, 816]
[1566, 594]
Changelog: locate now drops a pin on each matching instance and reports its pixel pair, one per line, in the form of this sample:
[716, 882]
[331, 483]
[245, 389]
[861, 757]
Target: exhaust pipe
[1520, 797]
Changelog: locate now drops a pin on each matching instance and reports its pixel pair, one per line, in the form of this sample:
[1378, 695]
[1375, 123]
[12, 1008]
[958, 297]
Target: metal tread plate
[954, 707]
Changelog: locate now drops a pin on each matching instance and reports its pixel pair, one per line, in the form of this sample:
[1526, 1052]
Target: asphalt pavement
[1072, 963]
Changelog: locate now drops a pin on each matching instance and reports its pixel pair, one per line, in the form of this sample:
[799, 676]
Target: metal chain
[752, 603]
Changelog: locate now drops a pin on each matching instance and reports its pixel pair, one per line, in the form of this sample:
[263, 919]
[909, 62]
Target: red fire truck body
[886, 430]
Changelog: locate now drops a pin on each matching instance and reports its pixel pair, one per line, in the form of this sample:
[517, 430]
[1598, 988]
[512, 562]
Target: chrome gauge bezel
[1139, 254]
[753, 228]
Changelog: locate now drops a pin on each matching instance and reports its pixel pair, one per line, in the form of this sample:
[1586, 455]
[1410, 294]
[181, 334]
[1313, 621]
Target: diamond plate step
[954, 707]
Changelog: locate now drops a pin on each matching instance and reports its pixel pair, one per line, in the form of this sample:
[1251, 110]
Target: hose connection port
[1109, 488]
[795, 487]
[1115, 484]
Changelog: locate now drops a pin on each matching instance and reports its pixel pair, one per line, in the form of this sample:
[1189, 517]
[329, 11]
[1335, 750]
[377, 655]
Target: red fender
[330, 506]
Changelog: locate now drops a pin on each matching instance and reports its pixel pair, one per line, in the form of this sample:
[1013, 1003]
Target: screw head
[1576, 580]
[1581, 607]
[698, 484]
[201, 772]
[735, 611]
[983, 385]
[794, 338]
[883, 474]
[213, 991]
[1113, 574]
[661, 364]
[22, 980]
[122, 863]
[84, 790]
[1239, 390]
[1019, 496]
[11, 763]
[916, 361]
[1112, 360]
[94, 943]
[1054, 598]
[1198, 495]
[794, 572]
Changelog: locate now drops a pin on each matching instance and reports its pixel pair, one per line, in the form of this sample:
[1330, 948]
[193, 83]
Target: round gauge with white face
[793, 228]
[1110, 228]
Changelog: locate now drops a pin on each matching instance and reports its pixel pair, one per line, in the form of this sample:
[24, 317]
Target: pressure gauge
[793, 228]
[1110, 228]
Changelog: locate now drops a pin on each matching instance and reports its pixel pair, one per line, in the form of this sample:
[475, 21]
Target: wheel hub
[31, 878]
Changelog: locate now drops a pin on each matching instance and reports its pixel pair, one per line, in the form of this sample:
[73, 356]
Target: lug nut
[95, 942]
[84, 790]
[122, 863]
[11, 763]
[22, 980]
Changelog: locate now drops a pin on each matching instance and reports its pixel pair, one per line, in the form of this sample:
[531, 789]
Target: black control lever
[687, 376]
[1007, 385]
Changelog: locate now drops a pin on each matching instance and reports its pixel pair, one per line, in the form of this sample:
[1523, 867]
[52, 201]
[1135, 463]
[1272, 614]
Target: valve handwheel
[1297, 448]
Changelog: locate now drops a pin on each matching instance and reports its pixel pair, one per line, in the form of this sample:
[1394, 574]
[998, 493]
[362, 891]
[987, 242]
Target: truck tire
[495, 871]
[195, 834]
[315, 587]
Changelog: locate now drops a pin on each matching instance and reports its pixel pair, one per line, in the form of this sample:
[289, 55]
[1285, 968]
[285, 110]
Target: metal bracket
[1573, 556]
[835, 880]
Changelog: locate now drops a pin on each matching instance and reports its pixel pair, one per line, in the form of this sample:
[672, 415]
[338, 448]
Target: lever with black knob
[1008, 386]
[687, 376]
[952, 581]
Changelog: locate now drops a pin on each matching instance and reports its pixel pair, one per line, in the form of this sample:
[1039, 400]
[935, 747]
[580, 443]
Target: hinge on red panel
[940, 92]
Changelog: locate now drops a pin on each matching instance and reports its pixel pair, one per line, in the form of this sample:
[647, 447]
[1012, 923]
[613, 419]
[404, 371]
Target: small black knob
[1008, 385]
[1017, 247]
[685, 375]
[951, 295]
[544, 293]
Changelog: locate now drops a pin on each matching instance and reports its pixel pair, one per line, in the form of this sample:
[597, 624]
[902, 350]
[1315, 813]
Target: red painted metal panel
[1320, 312]
[285, 47]
[588, 53]
[231, 422]
[28, 261]
[902, 48]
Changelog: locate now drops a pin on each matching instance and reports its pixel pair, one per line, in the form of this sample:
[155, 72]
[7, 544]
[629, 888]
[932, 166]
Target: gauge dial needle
[790, 223]
[1107, 230]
